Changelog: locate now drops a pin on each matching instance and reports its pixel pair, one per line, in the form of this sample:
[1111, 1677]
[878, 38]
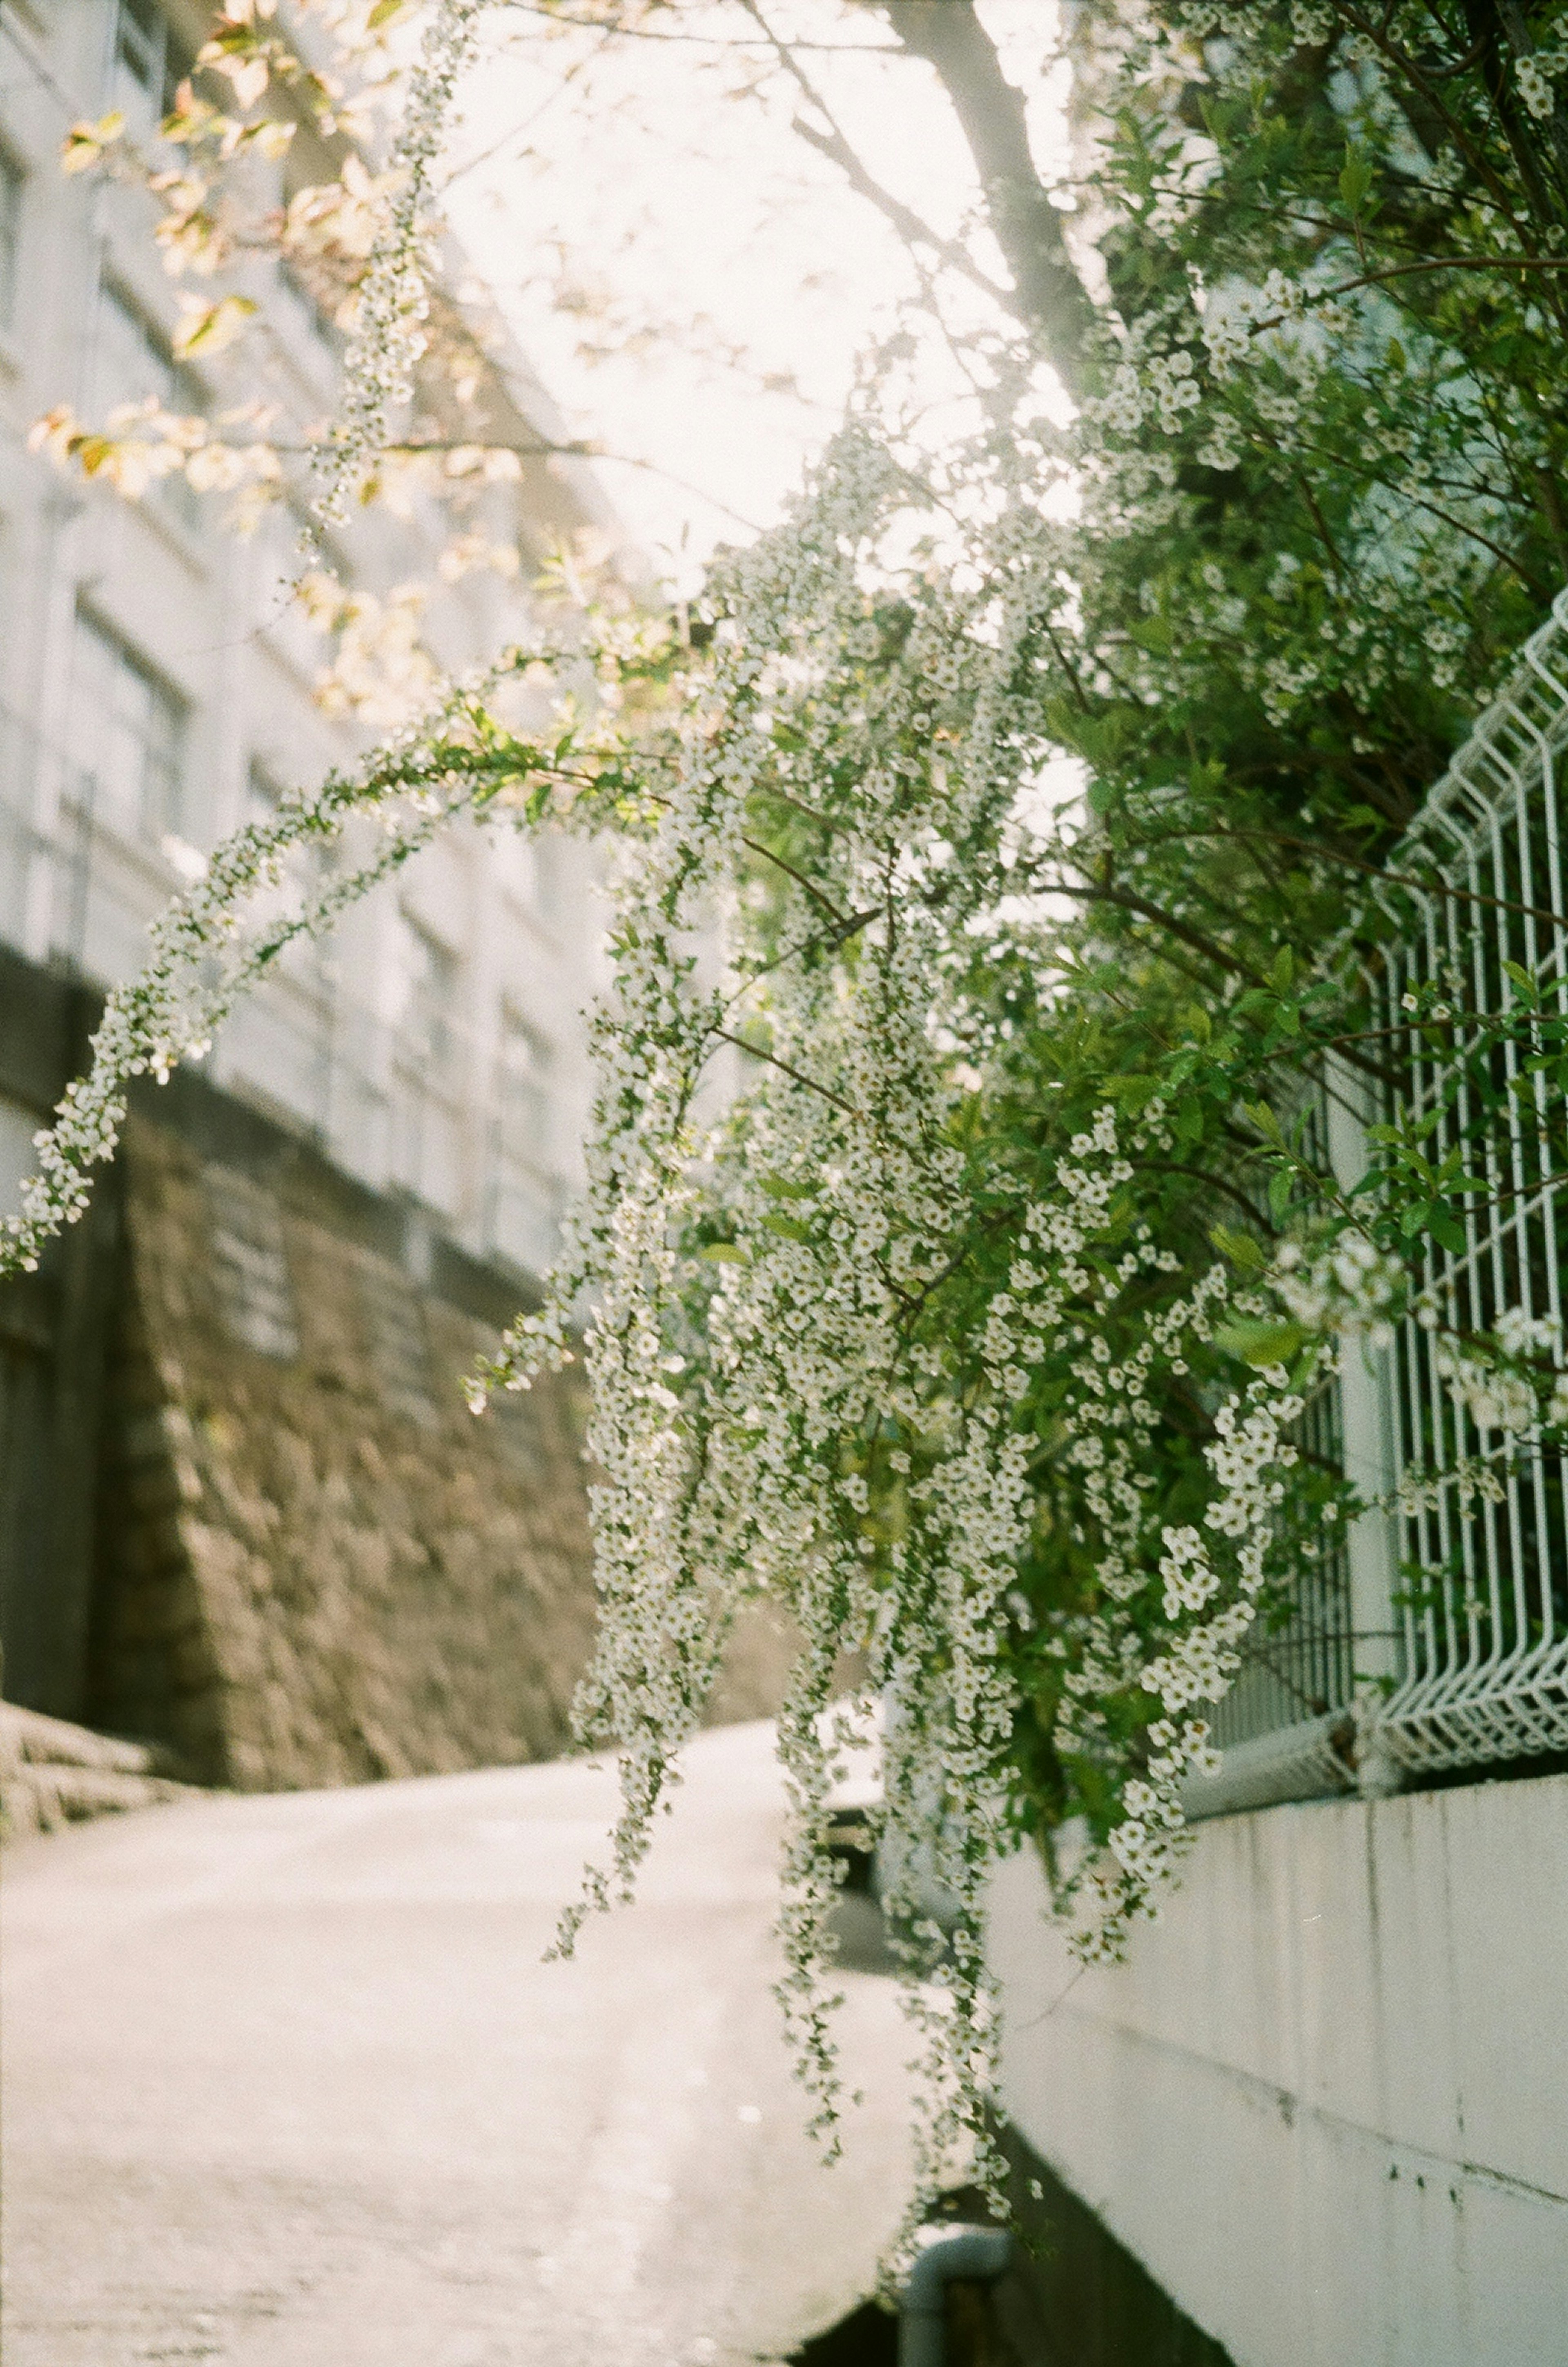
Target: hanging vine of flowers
[960, 1257]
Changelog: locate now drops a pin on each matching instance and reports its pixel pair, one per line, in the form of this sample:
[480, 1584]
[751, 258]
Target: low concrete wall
[1326, 2102]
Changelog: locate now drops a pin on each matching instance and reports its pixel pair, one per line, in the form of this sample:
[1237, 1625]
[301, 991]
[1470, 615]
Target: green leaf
[1189, 1120]
[1258, 1342]
[724, 1254]
[1133, 1093]
[1240, 1248]
[1281, 976]
[1444, 1227]
[779, 1187]
[1355, 179]
[789, 1228]
[1279, 1194]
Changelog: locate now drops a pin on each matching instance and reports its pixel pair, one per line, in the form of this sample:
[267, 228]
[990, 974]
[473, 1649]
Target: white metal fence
[1438, 1638]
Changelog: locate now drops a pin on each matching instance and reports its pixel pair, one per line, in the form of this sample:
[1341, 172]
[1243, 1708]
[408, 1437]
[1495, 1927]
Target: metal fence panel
[1461, 1659]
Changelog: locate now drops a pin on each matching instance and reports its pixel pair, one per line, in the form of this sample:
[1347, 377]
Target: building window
[10, 237]
[262, 795]
[522, 1094]
[149, 61]
[128, 733]
[426, 994]
[131, 361]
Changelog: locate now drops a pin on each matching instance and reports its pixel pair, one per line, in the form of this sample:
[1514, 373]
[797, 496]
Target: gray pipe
[977, 2255]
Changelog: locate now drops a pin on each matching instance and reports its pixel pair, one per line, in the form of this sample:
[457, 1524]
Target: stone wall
[316, 1566]
[244, 1513]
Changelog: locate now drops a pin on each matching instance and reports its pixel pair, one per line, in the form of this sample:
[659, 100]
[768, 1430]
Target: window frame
[12, 201]
[182, 393]
[160, 791]
[165, 59]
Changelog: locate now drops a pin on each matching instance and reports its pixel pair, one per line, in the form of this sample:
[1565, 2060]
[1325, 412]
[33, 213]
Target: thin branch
[812, 1084]
[1438, 887]
[576, 448]
[824, 902]
[912, 228]
[699, 41]
[835, 937]
[1125, 901]
[1201, 1175]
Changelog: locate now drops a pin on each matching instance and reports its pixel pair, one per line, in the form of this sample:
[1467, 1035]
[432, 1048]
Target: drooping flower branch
[961, 1259]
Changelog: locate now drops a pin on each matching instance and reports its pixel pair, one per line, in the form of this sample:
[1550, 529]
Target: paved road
[285, 2085]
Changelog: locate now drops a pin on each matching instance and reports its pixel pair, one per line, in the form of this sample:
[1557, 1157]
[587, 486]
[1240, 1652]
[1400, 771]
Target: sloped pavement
[287, 2085]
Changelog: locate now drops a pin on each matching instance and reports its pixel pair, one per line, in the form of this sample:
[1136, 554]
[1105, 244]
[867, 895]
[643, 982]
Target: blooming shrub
[960, 1254]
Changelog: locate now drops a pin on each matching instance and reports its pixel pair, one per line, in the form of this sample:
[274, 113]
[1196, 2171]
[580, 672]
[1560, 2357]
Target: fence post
[1365, 1417]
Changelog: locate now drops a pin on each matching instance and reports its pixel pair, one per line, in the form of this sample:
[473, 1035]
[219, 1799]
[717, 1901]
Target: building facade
[158, 687]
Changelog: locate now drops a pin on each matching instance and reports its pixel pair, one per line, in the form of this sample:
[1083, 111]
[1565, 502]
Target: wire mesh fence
[1458, 1655]
[1483, 1535]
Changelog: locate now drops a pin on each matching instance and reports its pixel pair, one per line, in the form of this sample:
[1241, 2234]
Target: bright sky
[690, 280]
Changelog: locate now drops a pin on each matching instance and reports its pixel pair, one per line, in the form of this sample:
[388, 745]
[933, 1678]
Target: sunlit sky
[615, 195]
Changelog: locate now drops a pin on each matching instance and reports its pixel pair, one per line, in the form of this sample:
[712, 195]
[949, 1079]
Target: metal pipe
[976, 2254]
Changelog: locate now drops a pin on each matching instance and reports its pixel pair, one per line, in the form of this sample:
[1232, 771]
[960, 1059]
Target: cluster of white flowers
[1536, 71]
[1231, 317]
[392, 300]
[1495, 1398]
[1351, 1287]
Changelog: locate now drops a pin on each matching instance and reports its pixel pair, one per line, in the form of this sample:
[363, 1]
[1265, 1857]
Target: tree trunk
[1052, 298]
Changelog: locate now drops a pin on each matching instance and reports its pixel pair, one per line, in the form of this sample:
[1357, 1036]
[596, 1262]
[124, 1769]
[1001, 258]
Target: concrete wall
[1326, 2102]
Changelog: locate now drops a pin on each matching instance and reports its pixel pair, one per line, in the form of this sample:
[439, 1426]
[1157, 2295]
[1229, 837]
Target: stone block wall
[315, 1565]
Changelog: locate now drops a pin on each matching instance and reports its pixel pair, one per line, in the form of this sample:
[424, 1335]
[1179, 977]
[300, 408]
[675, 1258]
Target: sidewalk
[288, 2086]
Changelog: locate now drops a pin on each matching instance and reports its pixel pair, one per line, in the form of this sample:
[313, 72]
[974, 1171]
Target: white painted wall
[1326, 2100]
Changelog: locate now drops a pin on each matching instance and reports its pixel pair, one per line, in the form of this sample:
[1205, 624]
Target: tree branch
[832, 143]
[1051, 297]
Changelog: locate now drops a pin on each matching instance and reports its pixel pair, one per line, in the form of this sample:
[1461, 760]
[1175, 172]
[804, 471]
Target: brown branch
[1201, 1175]
[824, 903]
[949, 36]
[911, 227]
[1125, 901]
[812, 1084]
[621, 32]
[1438, 887]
